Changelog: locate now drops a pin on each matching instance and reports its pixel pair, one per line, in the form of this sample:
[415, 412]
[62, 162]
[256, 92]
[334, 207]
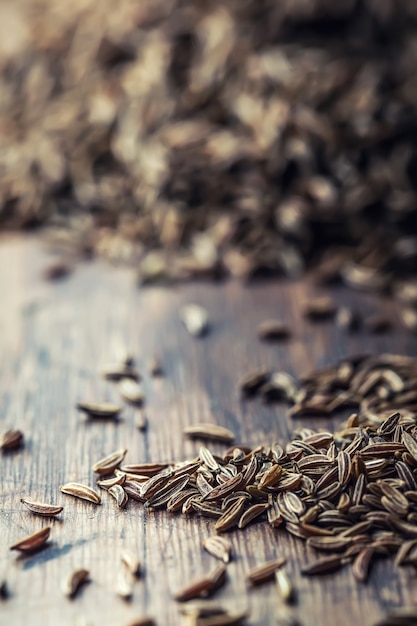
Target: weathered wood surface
[54, 337]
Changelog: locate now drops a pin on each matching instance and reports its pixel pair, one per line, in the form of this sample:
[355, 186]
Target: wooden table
[54, 338]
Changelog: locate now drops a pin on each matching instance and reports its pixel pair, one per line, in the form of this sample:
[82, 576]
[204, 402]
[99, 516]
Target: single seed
[4, 589]
[264, 572]
[204, 586]
[319, 308]
[33, 542]
[195, 319]
[48, 510]
[109, 462]
[273, 330]
[132, 562]
[141, 421]
[81, 491]
[285, 586]
[219, 547]
[131, 391]
[74, 582]
[155, 367]
[209, 431]
[120, 495]
[99, 410]
[125, 583]
[11, 440]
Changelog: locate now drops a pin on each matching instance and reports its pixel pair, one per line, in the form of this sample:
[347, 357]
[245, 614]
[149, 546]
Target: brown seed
[204, 586]
[195, 319]
[120, 495]
[57, 270]
[410, 443]
[229, 618]
[361, 564]
[11, 440]
[273, 329]
[117, 372]
[144, 469]
[109, 482]
[319, 308]
[109, 462]
[74, 582]
[4, 589]
[40, 508]
[329, 544]
[344, 467]
[174, 486]
[323, 566]
[33, 542]
[231, 516]
[131, 391]
[209, 431]
[252, 513]
[271, 477]
[99, 410]
[202, 608]
[404, 616]
[81, 491]
[253, 382]
[264, 572]
[223, 490]
[219, 547]
[377, 324]
[347, 319]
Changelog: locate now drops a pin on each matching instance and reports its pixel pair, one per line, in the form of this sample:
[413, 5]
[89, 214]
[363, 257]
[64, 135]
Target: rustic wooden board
[53, 339]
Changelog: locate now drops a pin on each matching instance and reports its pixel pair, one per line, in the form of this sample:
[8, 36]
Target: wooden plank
[54, 338]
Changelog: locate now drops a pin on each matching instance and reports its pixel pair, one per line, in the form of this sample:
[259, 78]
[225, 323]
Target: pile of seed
[238, 139]
[374, 386]
[350, 495]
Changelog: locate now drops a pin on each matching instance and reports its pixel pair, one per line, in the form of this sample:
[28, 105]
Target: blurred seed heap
[214, 138]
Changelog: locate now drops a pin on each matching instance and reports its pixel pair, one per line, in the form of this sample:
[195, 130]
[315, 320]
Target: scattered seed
[204, 586]
[219, 547]
[74, 582]
[323, 566]
[155, 367]
[33, 542]
[131, 391]
[273, 330]
[347, 319]
[209, 431]
[11, 440]
[47, 510]
[57, 270]
[285, 586]
[125, 583]
[132, 562]
[264, 572]
[319, 308]
[195, 319]
[99, 410]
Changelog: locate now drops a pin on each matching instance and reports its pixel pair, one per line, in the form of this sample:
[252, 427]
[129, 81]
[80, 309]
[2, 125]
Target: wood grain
[54, 338]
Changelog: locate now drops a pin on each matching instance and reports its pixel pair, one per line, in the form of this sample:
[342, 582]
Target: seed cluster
[350, 495]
